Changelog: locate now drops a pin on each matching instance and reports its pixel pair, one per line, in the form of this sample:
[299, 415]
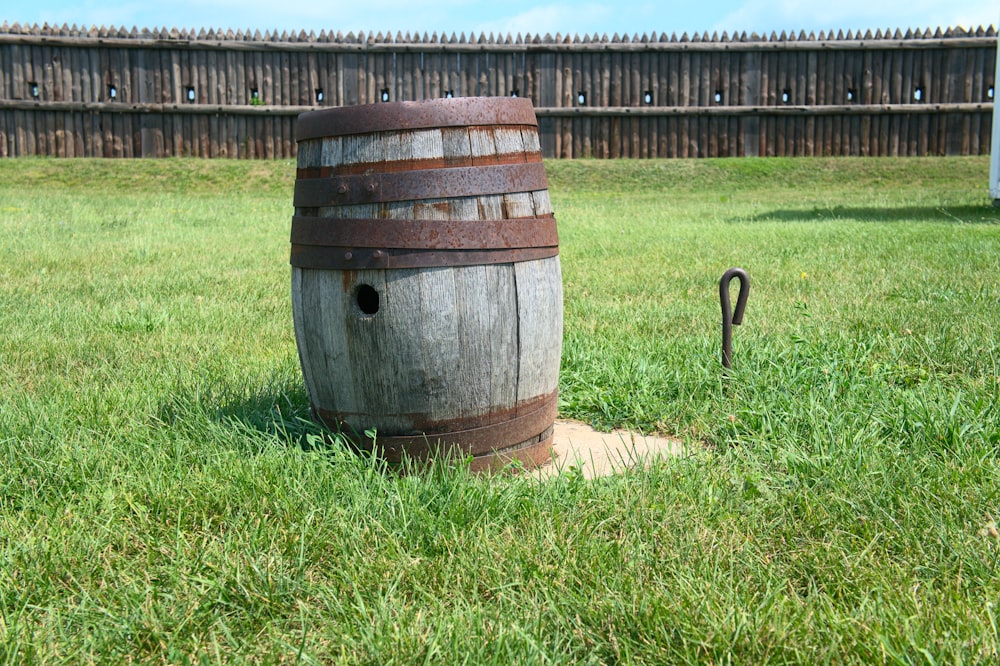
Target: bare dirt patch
[603, 453]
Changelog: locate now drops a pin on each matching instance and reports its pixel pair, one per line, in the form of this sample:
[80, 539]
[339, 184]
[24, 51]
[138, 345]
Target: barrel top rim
[425, 114]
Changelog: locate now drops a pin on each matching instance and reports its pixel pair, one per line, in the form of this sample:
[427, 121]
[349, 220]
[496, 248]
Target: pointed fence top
[329, 36]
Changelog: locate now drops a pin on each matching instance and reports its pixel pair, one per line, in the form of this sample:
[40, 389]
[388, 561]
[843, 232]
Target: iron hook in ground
[732, 317]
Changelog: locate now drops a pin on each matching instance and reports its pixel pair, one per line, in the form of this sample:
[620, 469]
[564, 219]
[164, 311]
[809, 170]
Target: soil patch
[603, 453]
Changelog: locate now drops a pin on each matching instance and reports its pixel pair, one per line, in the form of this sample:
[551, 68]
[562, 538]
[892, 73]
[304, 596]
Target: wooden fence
[114, 93]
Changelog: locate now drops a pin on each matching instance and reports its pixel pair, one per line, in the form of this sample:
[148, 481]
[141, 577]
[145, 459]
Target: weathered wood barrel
[426, 286]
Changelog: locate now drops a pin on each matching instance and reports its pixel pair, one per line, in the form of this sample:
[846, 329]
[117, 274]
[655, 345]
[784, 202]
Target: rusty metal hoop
[732, 318]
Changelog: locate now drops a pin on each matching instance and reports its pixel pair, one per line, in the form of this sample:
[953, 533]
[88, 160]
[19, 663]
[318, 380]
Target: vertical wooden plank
[5, 141]
[298, 75]
[887, 122]
[667, 96]
[151, 130]
[732, 80]
[452, 74]
[578, 84]
[841, 77]
[348, 89]
[771, 97]
[378, 69]
[181, 79]
[545, 92]
[24, 122]
[199, 134]
[368, 67]
[494, 75]
[471, 67]
[19, 72]
[434, 85]
[828, 76]
[6, 70]
[539, 306]
[567, 82]
[325, 78]
[42, 125]
[71, 84]
[652, 84]
[905, 62]
[593, 91]
[809, 76]
[636, 72]
[404, 81]
[938, 85]
[617, 73]
[421, 79]
[867, 97]
[685, 100]
[979, 134]
[786, 123]
[269, 92]
[753, 77]
[94, 130]
[716, 128]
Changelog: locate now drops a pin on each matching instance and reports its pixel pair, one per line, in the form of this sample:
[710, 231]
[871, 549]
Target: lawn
[165, 498]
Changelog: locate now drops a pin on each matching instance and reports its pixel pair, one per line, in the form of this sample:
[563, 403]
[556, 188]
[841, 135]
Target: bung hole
[367, 299]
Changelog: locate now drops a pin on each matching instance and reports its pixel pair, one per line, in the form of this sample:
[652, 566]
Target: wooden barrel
[426, 287]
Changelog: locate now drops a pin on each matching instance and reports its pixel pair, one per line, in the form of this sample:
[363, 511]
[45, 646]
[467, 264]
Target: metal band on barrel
[420, 185]
[355, 244]
[475, 441]
[426, 234]
[401, 116]
[346, 258]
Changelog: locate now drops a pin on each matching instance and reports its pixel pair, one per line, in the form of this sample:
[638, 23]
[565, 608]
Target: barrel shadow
[985, 214]
[275, 411]
[278, 410]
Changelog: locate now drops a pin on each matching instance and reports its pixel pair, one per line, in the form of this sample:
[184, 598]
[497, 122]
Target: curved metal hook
[731, 318]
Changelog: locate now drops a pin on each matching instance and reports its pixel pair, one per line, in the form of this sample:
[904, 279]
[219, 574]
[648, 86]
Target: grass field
[161, 499]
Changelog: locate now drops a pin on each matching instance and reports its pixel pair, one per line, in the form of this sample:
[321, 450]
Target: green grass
[162, 498]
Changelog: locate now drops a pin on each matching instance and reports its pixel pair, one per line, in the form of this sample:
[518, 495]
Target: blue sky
[511, 16]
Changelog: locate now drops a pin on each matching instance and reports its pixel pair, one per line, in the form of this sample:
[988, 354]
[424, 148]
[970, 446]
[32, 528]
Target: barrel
[426, 286]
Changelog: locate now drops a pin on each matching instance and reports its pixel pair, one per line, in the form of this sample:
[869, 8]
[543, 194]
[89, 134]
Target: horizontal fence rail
[102, 92]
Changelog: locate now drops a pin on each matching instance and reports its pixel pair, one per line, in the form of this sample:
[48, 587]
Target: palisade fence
[114, 93]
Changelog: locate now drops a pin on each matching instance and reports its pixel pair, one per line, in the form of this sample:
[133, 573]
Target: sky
[567, 17]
